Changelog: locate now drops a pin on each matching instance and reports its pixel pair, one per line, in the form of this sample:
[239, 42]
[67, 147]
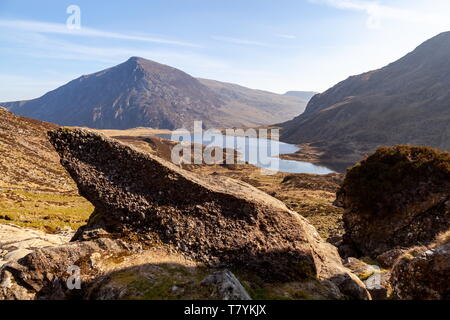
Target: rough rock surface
[228, 286]
[388, 258]
[43, 274]
[423, 274]
[398, 197]
[17, 242]
[375, 278]
[215, 221]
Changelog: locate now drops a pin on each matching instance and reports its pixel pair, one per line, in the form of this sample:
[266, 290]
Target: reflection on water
[262, 153]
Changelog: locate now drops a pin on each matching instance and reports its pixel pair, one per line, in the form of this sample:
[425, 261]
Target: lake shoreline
[250, 150]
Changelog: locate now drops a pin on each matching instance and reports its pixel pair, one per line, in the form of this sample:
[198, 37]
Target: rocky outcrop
[398, 197]
[17, 242]
[44, 273]
[423, 274]
[219, 222]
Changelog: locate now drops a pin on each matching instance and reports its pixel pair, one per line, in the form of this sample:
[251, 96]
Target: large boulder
[398, 197]
[423, 274]
[217, 221]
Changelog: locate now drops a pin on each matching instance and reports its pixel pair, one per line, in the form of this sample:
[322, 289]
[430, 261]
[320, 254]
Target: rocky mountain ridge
[405, 102]
[144, 93]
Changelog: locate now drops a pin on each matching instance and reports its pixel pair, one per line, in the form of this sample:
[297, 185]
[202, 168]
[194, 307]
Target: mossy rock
[376, 184]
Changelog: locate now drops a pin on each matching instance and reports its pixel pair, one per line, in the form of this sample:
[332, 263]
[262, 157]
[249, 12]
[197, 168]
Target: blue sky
[276, 45]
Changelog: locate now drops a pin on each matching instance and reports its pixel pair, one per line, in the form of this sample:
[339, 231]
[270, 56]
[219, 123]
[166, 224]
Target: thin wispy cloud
[48, 47]
[58, 28]
[376, 12]
[287, 36]
[43, 46]
[245, 42]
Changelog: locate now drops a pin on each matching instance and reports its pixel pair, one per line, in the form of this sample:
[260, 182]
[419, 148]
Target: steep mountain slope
[406, 102]
[135, 93]
[251, 107]
[35, 190]
[143, 93]
[27, 160]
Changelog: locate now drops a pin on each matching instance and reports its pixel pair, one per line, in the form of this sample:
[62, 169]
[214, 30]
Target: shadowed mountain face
[142, 93]
[406, 102]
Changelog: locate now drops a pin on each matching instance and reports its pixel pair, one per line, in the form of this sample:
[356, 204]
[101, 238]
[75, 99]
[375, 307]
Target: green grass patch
[49, 212]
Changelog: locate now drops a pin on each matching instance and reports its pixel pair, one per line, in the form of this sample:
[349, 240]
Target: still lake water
[262, 153]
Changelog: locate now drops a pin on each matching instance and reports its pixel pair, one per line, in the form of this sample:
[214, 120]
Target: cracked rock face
[398, 197]
[215, 221]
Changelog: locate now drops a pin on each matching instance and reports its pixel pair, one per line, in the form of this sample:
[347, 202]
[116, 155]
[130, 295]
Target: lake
[263, 153]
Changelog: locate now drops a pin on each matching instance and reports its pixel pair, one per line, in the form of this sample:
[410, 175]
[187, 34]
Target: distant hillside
[143, 93]
[13, 105]
[406, 102]
[27, 159]
[306, 95]
[250, 107]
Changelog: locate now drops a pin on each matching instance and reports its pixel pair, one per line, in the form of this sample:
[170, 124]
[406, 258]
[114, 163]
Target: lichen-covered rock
[43, 274]
[220, 222]
[375, 278]
[379, 285]
[227, 286]
[423, 274]
[398, 197]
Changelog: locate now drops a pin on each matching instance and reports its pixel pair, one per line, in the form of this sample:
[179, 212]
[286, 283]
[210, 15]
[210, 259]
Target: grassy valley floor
[47, 211]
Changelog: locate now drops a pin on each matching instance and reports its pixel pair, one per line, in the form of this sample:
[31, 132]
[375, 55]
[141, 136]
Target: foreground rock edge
[219, 222]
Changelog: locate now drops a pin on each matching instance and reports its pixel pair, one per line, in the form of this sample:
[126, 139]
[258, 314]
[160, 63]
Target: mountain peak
[135, 58]
[153, 67]
[144, 93]
[139, 60]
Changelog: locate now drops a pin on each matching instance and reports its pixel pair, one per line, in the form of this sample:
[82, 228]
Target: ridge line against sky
[300, 45]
